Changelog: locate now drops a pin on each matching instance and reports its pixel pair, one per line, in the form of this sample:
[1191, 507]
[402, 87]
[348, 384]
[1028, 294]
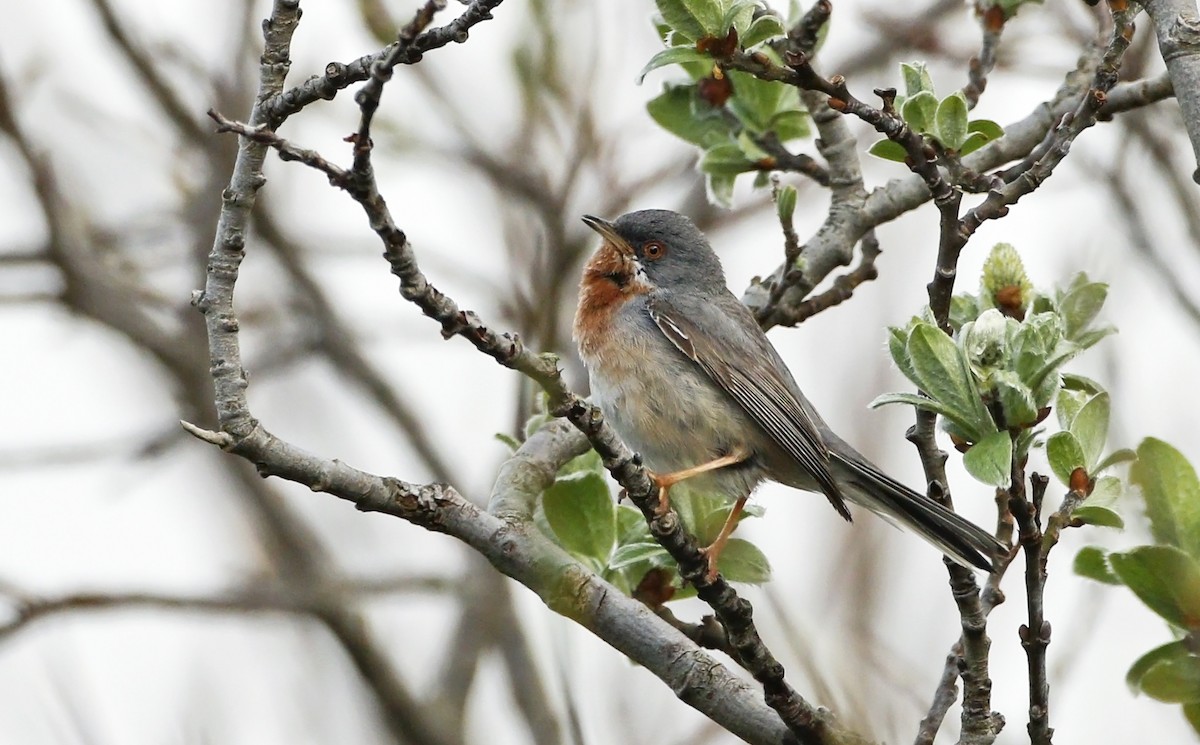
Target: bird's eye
[654, 250]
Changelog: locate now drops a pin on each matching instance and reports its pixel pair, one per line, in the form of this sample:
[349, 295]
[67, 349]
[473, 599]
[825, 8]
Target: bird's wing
[740, 359]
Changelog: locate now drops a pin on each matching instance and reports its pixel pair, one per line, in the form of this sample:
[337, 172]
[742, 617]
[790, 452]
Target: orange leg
[667, 480]
[713, 551]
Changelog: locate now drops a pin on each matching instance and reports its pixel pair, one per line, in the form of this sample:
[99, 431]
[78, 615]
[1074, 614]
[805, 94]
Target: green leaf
[1115, 458]
[1100, 506]
[742, 561]
[1090, 427]
[589, 461]
[943, 374]
[1175, 681]
[719, 188]
[987, 128]
[1080, 306]
[1068, 405]
[1016, 399]
[1167, 652]
[889, 150]
[1045, 381]
[513, 443]
[726, 159]
[1165, 579]
[785, 203]
[963, 309]
[1192, 712]
[1092, 562]
[581, 513]
[703, 513]
[790, 124]
[676, 111]
[755, 101]
[898, 346]
[1091, 337]
[919, 111]
[1065, 455]
[951, 120]
[973, 142]
[738, 14]
[916, 78]
[990, 459]
[672, 56]
[912, 399]
[634, 553]
[693, 19]
[1172, 493]
[631, 526]
[766, 26]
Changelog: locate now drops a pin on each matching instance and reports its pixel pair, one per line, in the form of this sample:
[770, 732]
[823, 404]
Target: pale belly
[666, 408]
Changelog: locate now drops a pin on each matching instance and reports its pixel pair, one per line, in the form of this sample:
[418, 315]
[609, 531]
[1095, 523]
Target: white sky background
[117, 522]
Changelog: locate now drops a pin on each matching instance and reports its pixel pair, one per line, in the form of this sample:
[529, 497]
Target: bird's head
[656, 248]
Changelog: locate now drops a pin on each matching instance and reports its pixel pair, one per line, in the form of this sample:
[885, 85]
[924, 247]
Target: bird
[687, 378]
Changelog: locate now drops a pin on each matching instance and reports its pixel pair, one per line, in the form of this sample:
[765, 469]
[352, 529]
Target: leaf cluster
[725, 113]
[944, 121]
[578, 513]
[1165, 576]
[996, 379]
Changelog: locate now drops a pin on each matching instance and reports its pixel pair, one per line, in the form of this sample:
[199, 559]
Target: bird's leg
[713, 550]
[667, 480]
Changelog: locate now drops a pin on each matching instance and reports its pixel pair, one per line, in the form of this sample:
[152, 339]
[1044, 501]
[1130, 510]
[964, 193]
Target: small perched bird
[688, 379]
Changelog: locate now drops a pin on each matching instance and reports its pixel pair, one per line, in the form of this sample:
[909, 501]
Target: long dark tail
[955, 536]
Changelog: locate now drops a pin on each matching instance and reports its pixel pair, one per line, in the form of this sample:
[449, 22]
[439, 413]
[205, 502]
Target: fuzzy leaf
[672, 56]
[951, 121]
[986, 127]
[675, 110]
[1172, 494]
[693, 19]
[785, 202]
[1065, 455]
[582, 515]
[1101, 505]
[990, 459]
[755, 101]
[726, 159]
[1174, 681]
[889, 150]
[944, 375]
[971, 143]
[742, 561]
[1080, 306]
[790, 124]
[912, 399]
[719, 188]
[764, 27]
[1165, 579]
[1092, 562]
[1090, 427]
[634, 553]
[919, 111]
[1165, 653]
[916, 78]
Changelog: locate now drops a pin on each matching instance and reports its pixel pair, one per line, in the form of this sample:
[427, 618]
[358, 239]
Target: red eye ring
[654, 250]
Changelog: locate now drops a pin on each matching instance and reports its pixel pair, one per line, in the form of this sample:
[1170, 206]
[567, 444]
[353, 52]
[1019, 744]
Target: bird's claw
[710, 559]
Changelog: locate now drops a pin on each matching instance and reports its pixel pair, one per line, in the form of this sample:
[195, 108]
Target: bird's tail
[955, 536]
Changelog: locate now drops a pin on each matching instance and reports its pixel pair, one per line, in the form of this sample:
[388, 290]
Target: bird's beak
[609, 233]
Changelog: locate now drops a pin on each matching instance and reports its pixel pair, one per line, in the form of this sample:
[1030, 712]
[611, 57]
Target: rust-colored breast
[609, 281]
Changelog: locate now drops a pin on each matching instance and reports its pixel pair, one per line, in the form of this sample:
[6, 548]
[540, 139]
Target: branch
[1035, 633]
[520, 551]
[1177, 27]
[282, 104]
[241, 433]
